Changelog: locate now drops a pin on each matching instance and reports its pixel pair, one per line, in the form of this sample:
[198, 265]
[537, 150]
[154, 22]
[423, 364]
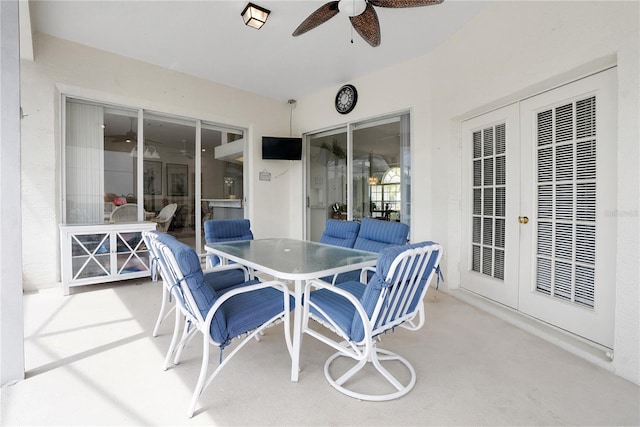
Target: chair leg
[204, 382]
[174, 341]
[202, 377]
[186, 338]
[162, 308]
[377, 355]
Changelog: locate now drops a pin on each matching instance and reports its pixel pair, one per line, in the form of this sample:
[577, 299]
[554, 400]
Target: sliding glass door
[123, 164]
[222, 173]
[327, 180]
[359, 171]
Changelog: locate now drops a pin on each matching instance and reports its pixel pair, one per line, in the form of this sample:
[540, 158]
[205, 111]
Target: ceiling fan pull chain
[354, 8]
[351, 33]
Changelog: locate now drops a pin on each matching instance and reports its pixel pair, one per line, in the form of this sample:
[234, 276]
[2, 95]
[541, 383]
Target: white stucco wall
[509, 50]
[64, 67]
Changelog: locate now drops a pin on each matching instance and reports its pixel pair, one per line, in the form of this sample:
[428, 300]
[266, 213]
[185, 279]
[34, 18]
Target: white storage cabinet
[103, 253]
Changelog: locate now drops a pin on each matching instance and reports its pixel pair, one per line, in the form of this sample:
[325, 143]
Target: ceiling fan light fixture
[362, 15]
[151, 153]
[352, 7]
[255, 16]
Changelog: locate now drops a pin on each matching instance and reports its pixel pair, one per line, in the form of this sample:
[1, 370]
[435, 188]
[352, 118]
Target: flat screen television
[281, 148]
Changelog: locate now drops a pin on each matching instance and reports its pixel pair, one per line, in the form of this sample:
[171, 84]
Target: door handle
[523, 219]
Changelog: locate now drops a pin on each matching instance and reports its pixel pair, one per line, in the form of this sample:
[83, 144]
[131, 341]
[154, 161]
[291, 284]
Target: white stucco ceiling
[208, 39]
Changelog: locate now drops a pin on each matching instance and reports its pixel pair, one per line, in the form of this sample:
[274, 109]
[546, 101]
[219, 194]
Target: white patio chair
[360, 313]
[220, 278]
[240, 312]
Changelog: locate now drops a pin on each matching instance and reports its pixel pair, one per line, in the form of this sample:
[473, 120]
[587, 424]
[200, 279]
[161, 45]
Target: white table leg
[297, 331]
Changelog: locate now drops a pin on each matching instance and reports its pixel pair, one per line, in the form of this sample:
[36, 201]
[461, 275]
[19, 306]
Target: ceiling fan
[184, 151]
[129, 136]
[361, 13]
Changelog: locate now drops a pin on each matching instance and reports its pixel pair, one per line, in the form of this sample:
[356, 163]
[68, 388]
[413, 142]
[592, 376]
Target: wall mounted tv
[281, 148]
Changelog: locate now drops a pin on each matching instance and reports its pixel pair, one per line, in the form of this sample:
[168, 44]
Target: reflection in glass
[374, 183]
[327, 179]
[379, 151]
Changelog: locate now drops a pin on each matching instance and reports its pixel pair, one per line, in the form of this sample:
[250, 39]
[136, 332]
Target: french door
[539, 234]
[491, 258]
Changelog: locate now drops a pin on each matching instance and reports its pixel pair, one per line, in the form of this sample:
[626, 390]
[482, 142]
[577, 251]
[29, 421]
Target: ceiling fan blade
[118, 139]
[367, 25]
[320, 16]
[404, 3]
[129, 136]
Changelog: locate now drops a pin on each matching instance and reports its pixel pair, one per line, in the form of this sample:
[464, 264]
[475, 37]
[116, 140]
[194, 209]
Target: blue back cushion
[162, 238]
[226, 230]
[203, 293]
[224, 280]
[374, 234]
[373, 289]
[340, 233]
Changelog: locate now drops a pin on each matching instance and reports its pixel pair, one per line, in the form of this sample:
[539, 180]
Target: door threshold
[585, 349]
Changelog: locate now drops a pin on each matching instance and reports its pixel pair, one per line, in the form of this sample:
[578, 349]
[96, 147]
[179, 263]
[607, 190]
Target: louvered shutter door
[566, 202]
[489, 201]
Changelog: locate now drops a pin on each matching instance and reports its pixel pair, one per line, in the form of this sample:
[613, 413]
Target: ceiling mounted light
[150, 152]
[255, 16]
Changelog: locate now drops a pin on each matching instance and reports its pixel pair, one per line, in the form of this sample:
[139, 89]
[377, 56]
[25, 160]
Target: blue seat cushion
[338, 308]
[348, 276]
[340, 233]
[247, 311]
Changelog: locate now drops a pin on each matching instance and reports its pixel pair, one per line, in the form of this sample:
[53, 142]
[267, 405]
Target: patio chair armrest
[363, 274]
[209, 255]
[227, 267]
[321, 284]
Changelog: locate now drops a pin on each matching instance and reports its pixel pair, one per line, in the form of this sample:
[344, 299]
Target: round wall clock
[346, 99]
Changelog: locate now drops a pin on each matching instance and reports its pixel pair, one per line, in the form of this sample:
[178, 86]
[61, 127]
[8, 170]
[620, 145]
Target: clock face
[346, 99]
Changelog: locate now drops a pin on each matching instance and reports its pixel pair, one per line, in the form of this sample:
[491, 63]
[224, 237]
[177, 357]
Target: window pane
[377, 171]
[327, 180]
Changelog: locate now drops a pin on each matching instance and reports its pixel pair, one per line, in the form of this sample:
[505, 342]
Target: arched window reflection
[385, 197]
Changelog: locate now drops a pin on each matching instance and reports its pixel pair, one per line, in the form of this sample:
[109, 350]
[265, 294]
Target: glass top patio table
[293, 259]
[297, 260]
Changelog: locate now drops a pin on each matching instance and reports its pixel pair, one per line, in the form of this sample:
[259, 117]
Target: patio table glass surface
[293, 259]
[296, 260]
